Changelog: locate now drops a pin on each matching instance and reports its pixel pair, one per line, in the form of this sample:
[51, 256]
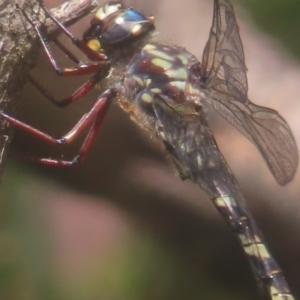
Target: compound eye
[123, 26]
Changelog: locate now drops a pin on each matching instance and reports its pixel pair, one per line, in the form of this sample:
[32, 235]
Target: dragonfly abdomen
[263, 264]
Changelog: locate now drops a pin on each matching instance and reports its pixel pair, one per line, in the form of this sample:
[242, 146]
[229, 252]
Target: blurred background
[121, 225]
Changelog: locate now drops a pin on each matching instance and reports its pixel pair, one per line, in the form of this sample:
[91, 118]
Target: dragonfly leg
[95, 116]
[99, 68]
[79, 43]
[67, 52]
[76, 95]
[80, 69]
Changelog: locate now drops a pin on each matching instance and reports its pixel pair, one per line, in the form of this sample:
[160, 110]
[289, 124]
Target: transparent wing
[224, 80]
[223, 61]
[268, 131]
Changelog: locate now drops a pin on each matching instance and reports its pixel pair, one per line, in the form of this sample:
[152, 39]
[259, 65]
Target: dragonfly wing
[268, 131]
[223, 61]
[224, 81]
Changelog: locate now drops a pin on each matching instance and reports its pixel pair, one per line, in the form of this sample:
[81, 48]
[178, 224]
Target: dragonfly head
[114, 25]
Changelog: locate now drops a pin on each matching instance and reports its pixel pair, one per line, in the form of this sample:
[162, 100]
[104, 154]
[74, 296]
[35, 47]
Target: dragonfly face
[114, 25]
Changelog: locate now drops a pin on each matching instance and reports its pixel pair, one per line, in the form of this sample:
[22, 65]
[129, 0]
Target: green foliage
[278, 18]
[142, 269]
[24, 250]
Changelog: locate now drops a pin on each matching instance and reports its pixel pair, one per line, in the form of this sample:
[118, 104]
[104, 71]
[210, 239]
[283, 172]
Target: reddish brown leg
[100, 68]
[69, 54]
[95, 116]
[79, 93]
[91, 54]
[81, 69]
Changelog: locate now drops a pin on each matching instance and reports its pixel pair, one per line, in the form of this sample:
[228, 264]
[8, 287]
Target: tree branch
[19, 48]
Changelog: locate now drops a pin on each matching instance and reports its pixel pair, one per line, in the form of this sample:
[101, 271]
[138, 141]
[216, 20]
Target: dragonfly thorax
[159, 70]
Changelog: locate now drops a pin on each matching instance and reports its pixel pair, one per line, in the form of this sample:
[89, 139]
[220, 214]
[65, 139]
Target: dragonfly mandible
[167, 91]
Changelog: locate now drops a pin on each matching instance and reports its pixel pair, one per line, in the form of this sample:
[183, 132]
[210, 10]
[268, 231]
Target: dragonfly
[167, 91]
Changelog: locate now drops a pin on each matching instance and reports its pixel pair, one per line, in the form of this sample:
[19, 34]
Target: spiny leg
[81, 69]
[76, 95]
[95, 116]
[91, 54]
[68, 53]
[80, 44]
[100, 69]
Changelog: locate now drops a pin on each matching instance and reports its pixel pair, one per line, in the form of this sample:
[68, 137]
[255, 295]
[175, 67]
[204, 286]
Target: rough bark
[19, 48]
